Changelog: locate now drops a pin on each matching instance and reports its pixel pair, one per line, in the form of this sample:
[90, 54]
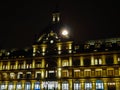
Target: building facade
[58, 63]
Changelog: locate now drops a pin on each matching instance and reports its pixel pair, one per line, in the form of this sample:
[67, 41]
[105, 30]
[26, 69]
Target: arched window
[99, 85]
[37, 86]
[88, 85]
[27, 86]
[19, 86]
[65, 85]
[77, 85]
[10, 86]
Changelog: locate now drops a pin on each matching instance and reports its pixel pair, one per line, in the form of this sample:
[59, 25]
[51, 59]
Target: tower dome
[53, 30]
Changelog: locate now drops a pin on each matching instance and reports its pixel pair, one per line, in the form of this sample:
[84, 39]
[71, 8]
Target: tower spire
[56, 14]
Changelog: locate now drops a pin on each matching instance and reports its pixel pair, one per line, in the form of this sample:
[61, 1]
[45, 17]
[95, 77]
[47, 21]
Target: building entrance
[50, 85]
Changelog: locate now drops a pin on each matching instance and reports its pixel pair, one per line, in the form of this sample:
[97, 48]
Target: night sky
[22, 20]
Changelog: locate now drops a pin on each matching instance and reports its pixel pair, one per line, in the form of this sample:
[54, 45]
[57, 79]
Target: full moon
[64, 32]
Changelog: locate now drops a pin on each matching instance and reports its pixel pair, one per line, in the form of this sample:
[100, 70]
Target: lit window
[20, 75]
[37, 85]
[65, 63]
[4, 67]
[3, 86]
[65, 73]
[12, 75]
[27, 86]
[5, 75]
[50, 85]
[86, 46]
[77, 85]
[98, 72]
[99, 85]
[97, 45]
[29, 66]
[19, 86]
[108, 44]
[10, 86]
[87, 72]
[88, 85]
[110, 72]
[65, 86]
[98, 61]
[76, 73]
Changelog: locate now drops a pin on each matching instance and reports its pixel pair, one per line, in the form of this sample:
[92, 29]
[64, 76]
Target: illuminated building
[55, 62]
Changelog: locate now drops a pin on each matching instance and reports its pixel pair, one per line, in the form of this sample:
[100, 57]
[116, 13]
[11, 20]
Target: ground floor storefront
[68, 84]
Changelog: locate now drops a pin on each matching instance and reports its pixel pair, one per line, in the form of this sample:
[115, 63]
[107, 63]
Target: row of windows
[91, 73]
[110, 72]
[10, 86]
[53, 85]
[97, 61]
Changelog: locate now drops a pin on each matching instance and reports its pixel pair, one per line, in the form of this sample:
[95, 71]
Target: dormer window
[77, 47]
[108, 44]
[86, 46]
[97, 45]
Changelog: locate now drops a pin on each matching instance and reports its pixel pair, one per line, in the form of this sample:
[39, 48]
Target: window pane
[99, 84]
[10, 86]
[65, 86]
[37, 85]
[88, 85]
[19, 86]
[27, 86]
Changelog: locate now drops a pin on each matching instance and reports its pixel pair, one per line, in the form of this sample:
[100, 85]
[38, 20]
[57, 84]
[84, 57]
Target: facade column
[59, 85]
[117, 85]
[59, 63]
[33, 63]
[59, 68]
[43, 63]
[15, 83]
[81, 61]
[16, 64]
[93, 84]
[103, 60]
[70, 84]
[41, 85]
[42, 73]
[23, 85]
[82, 84]
[105, 85]
[1, 63]
[43, 70]
[24, 64]
[92, 60]
[32, 84]
[6, 84]
[8, 65]
[115, 59]
[70, 61]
